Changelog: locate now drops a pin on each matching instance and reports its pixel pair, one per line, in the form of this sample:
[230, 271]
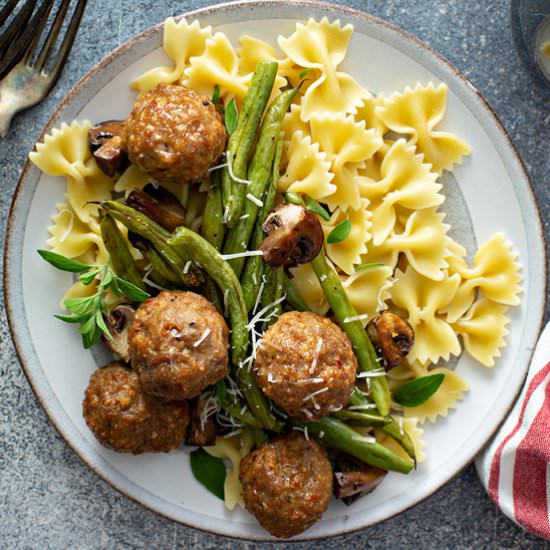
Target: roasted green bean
[121, 258]
[241, 142]
[259, 173]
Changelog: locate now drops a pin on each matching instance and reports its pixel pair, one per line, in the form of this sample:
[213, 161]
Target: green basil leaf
[92, 336]
[209, 471]
[65, 264]
[315, 207]
[416, 392]
[132, 291]
[304, 73]
[293, 198]
[339, 233]
[368, 266]
[79, 305]
[231, 117]
[216, 95]
[88, 277]
[73, 318]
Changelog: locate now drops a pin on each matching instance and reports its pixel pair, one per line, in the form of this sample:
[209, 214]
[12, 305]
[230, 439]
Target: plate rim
[11, 246]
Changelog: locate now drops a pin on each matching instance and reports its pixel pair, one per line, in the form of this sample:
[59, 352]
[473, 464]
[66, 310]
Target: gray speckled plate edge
[143, 44]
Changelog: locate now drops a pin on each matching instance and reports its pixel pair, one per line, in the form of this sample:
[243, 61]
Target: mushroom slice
[202, 429]
[160, 205]
[118, 322]
[107, 147]
[392, 336]
[294, 236]
[353, 478]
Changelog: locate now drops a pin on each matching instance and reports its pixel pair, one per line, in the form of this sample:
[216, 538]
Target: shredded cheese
[361, 317]
[244, 254]
[204, 336]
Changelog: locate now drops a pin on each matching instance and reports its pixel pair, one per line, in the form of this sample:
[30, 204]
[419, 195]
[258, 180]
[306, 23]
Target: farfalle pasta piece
[132, 178]
[405, 182]
[423, 241]
[366, 112]
[307, 169]
[421, 299]
[293, 123]
[416, 113]
[445, 398]
[65, 152]
[321, 46]
[219, 64]
[253, 50]
[483, 330]
[347, 144]
[308, 287]
[368, 290]
[347, 253]
[180, 42]
[382, 254]
[232, 449]
[71, 237]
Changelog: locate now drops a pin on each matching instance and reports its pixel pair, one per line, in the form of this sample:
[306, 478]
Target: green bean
[212, 294]
[255, 265]
[361, 418]
[241, 142]
[362, 346]
[121, 257]
[160, 270]
[158, 237]
[259, 172]
[212, 225]
[210, 259]
[392, 428]
[340, 436]
[293, 297]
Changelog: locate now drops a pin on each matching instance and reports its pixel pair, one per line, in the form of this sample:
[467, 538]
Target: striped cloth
[515, 467]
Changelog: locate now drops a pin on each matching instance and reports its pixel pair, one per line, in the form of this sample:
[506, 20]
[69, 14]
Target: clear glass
[531, 30]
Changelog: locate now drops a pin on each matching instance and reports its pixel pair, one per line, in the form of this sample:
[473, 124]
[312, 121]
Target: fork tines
[23, 34]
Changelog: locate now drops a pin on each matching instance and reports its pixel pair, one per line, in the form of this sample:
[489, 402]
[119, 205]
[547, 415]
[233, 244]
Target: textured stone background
[49, 499]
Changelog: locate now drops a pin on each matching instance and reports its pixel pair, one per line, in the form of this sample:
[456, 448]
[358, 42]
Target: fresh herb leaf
[315, 207]
[231, 117]
[416, 392]
[216, 95]
[293, 198]
[304, 73]
[339, 233]
[368, 266]
[132, 291]
[89, 310]
[209, 471]
[65, 264]
[221, 391]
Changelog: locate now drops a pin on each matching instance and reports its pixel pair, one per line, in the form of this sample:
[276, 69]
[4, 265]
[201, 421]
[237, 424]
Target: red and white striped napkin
[515, 467]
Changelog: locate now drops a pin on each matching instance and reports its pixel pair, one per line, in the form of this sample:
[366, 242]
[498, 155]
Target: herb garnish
[339, 233]
[315, 207]
[304, 73]
[369, 265]
[231, 117]
[209, 471]
[416, 392]
[216, 96]
[89, 310]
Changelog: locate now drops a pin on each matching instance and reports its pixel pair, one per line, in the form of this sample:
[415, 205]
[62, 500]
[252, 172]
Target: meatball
[306, 364]
[287, 484]
[124, 418]
[174, 135]
[178, 345]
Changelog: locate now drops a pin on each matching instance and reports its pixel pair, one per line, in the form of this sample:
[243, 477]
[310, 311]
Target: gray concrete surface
[50, 500]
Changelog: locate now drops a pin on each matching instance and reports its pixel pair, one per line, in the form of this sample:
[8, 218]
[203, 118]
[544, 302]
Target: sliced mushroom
[118, 322]
[392, 337]
[202, 429]
[353, 478]
[107, 147]
[294, 236]
[160, 205]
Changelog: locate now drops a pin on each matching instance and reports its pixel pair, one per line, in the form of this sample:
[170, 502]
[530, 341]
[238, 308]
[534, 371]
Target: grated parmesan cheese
[204, 336]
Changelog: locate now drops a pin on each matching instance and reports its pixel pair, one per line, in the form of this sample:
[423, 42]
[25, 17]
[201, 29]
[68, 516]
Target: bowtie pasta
[372, 159]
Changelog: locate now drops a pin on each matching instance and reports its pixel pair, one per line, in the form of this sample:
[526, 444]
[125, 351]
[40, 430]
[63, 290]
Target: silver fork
[29, 81]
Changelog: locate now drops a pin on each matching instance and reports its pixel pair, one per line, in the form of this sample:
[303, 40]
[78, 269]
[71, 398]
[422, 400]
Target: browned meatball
[287, 484]
[305, 364]
[124, 418]
[174, 135]
[178, 345]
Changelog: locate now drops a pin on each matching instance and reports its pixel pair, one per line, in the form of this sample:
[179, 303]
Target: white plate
[493, 194]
